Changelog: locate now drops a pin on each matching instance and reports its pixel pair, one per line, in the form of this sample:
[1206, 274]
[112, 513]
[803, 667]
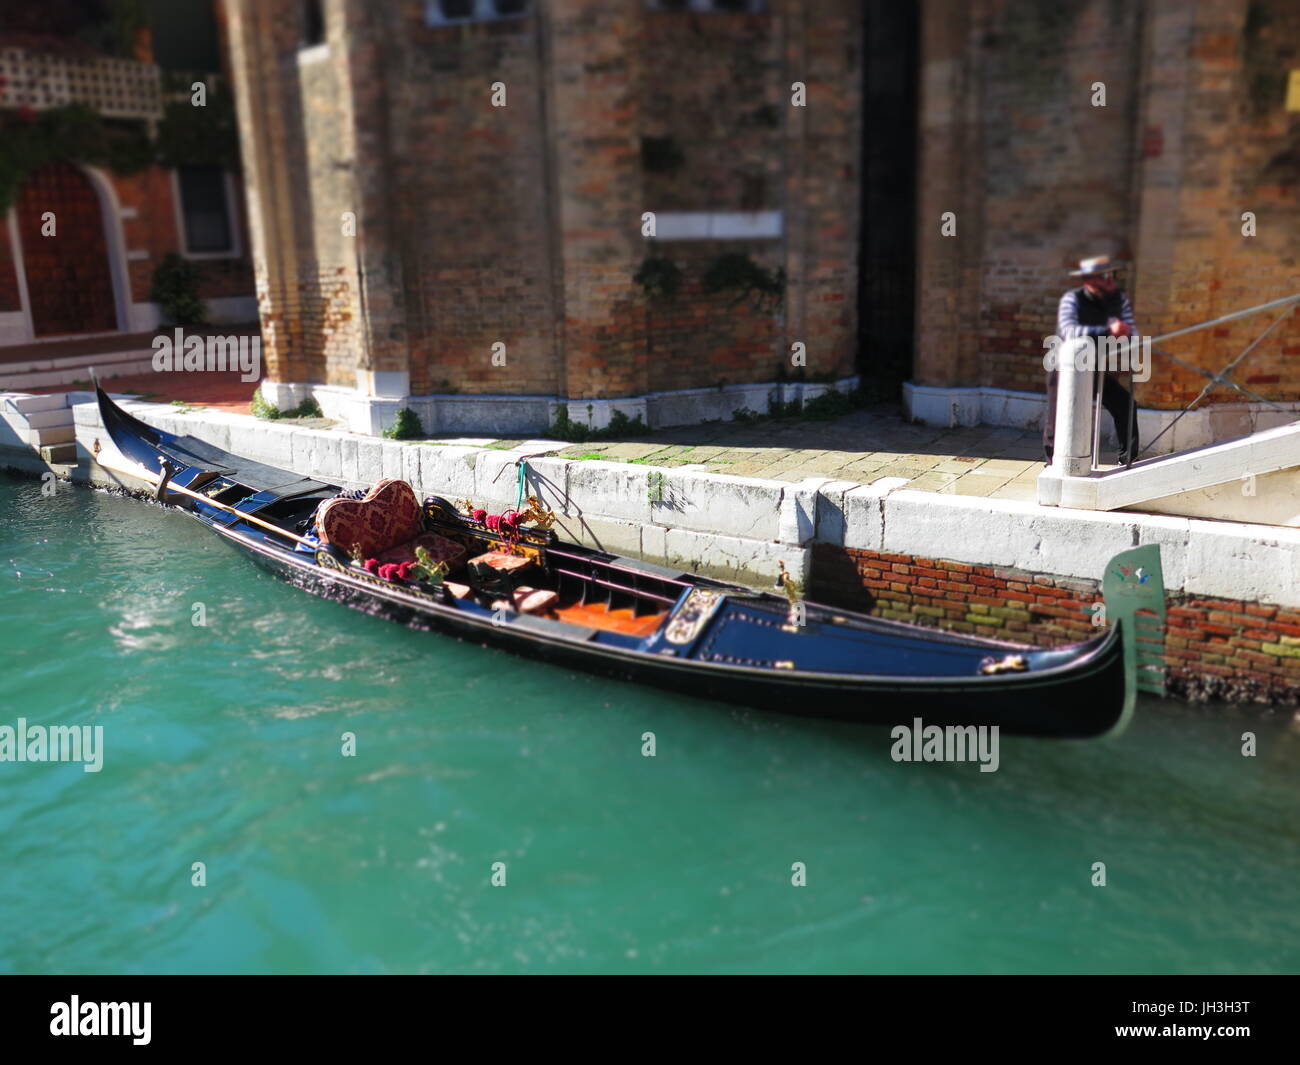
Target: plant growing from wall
[176, 290]
[113, 30]
[407, 426]
[75, 133]
[1264, 70]
[655, 483]
[738, 273]
[660, 278]
[71, 134]
[620, 426]
[261, 407]
[197, 136]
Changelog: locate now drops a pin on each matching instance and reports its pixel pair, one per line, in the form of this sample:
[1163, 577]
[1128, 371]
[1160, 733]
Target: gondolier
[1097, 308]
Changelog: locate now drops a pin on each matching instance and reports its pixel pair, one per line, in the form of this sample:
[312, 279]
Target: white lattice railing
[116, 88]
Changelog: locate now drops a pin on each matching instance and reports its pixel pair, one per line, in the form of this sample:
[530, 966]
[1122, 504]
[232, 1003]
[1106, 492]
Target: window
[207, 226]
[726, 6]
[449, 12]
[312, 30]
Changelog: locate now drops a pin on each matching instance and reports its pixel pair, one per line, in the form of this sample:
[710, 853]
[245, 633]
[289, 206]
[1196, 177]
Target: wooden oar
[133, 469]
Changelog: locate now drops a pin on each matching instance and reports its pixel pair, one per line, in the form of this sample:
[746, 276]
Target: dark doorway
[887, 249]
[69, 282]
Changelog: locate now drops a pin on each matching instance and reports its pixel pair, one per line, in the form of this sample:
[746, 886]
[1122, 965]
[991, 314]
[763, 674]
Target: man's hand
[1119, 328]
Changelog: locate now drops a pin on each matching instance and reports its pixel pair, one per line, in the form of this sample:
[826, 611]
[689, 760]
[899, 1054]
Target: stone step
[26, 404]
[59, 434]
[48, 419]
[65, 454]
[53, 378]
[73, 362]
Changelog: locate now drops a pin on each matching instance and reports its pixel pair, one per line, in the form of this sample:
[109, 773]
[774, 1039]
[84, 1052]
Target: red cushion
[442, 550]
[389, 515]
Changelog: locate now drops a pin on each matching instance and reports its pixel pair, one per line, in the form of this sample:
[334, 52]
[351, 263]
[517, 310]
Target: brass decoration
[793, 593]
[326, 560]
[537, 514]
[700, 605]
[1007, 664]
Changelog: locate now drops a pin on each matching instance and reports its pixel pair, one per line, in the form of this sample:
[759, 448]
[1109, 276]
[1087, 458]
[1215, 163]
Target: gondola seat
[387, 524]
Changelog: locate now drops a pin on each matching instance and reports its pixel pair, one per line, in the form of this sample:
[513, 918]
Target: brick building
[83, 234]
[449, 204]
[1195, 131]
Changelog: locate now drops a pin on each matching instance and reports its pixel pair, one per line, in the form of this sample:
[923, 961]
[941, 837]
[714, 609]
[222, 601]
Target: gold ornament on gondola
[794, 619]
[537, 514]
[991, 666]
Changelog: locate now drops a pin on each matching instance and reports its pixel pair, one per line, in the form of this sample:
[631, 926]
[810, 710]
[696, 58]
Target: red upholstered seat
[387, 524]
[439, 547]
[388, 515]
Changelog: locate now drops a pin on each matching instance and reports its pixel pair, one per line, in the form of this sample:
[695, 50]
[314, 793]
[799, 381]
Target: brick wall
[1192, 134]
[1214, 648]
[151, 194]
[522, 224]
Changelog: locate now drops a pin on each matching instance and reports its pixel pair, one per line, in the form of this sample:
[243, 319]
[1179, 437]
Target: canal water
[223, 745]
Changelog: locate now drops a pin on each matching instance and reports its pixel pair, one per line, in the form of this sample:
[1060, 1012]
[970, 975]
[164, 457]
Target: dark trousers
[1118, 403]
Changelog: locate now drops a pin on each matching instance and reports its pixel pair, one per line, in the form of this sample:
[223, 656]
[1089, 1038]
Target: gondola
[625, 618]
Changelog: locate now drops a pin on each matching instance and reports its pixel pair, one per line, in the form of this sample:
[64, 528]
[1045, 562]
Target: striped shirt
[1080, 315]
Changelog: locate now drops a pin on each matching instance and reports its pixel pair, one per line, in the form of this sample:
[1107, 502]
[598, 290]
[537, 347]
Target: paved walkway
[862, 446]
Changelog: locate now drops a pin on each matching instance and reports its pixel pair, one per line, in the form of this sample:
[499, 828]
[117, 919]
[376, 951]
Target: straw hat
[1101, 264]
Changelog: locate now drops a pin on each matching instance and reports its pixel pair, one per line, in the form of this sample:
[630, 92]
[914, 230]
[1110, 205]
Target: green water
[222, 745]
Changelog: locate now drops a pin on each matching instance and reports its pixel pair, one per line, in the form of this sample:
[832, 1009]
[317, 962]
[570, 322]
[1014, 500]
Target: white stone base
[949, 407]
[372, 407]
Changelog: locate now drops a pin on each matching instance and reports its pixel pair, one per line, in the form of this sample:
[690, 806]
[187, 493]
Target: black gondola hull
[1082, 702]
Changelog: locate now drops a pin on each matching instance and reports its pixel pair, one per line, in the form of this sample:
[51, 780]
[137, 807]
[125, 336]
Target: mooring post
[1072, 449]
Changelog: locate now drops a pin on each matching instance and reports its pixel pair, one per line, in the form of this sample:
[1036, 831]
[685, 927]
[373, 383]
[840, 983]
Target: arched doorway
[69, 278]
